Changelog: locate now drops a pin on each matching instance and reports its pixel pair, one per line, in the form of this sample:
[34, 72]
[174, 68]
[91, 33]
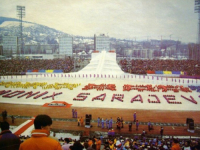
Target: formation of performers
[120, 123]
[107, 123]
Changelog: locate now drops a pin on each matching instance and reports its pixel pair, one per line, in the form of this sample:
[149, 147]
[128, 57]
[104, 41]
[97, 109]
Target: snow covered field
[103, 69]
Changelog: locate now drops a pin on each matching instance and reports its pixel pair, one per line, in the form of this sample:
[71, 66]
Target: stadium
[102, 89]
[100, 75]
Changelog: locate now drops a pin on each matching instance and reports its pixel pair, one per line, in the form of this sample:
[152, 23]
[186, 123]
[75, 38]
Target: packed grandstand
[135, 142]
[16, 66]
[189, 67]
[139, 67]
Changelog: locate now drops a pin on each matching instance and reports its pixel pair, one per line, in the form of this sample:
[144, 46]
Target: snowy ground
[68, 95]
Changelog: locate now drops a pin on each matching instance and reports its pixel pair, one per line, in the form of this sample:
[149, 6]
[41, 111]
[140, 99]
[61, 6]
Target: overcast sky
[128, 19]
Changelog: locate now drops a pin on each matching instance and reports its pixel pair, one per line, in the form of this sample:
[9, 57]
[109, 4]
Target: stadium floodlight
[21, 14]
[197, 10]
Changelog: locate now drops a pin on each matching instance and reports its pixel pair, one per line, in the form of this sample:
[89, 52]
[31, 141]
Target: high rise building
[10, 45]
[101, 42]
[65, 45]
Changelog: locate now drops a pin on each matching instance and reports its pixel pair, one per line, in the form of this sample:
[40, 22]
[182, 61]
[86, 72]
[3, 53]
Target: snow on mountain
[14, 24]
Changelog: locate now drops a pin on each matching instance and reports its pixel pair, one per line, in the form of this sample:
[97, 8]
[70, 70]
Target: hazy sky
[118, 18]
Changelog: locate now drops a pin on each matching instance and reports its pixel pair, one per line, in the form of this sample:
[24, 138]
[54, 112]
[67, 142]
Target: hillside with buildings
[33, 33]
[39, 39]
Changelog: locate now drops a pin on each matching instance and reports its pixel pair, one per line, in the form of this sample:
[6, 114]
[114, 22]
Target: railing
[77, 76]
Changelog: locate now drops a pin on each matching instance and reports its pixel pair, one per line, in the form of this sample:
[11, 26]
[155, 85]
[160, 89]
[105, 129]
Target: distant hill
[33, 33]
[2, 19]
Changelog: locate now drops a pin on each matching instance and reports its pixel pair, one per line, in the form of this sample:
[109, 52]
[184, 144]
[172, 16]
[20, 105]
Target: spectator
[106, 145]
[175, 145]
[197, 147]
[8, 141]
[193, 144]
[40, 139]
[90, 142]
[119, 145]
[78, 146]
[71, 147]
[66, 145]
[85, 145]
[186, 145]
[98, 144]
[94, 146]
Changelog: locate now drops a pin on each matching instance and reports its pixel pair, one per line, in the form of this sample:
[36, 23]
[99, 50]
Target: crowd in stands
[143, 143]
[131, 142]
[17, 66]
[137, 142]
[41, 139]
[191, 67]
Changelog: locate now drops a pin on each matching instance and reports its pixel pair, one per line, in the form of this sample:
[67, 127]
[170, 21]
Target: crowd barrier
[43, 71]
[67, 77]
[152, 72]
[190, 77]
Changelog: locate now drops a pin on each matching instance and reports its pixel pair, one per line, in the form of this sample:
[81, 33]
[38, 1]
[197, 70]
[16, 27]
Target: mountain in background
[3, 19]
[33, 33]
